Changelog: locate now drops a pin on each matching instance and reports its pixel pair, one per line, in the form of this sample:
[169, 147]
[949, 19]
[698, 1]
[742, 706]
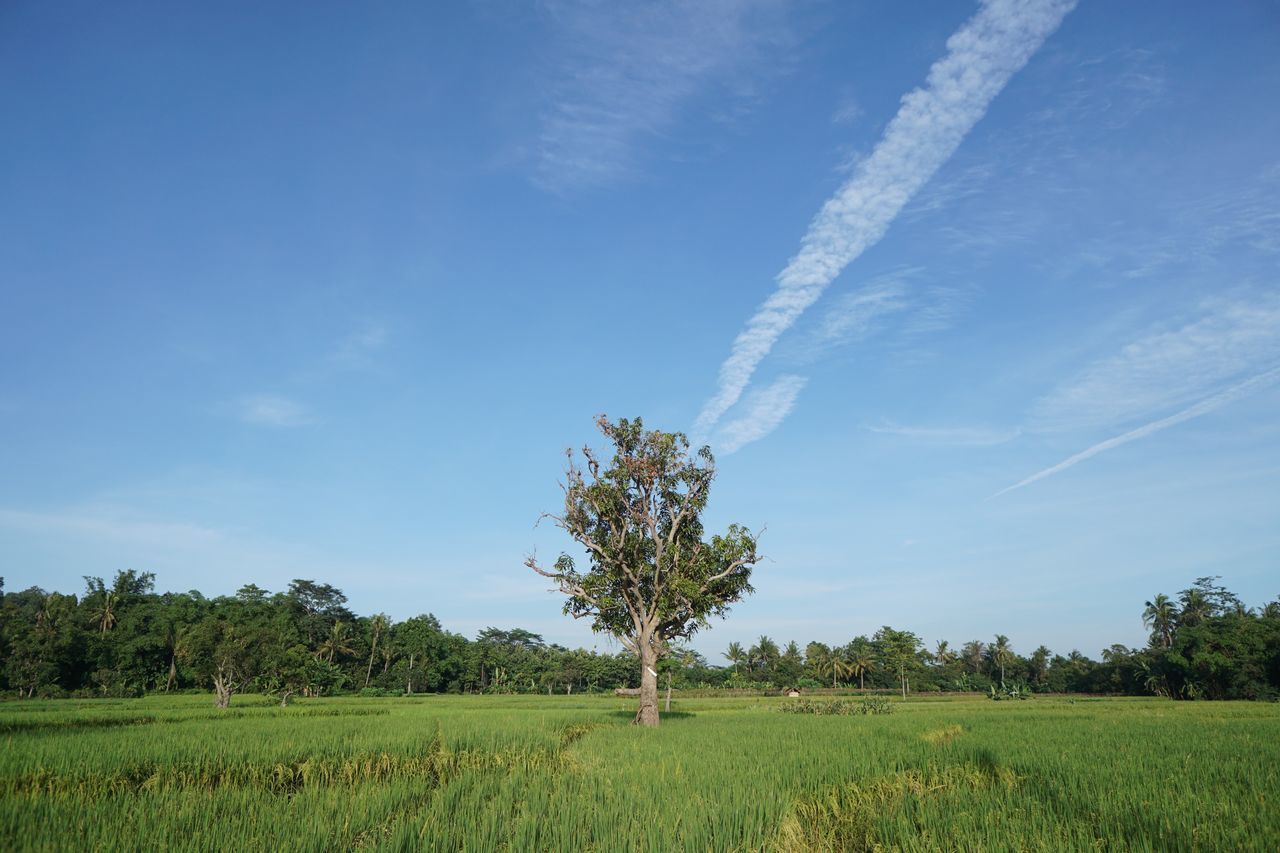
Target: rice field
[569, 773]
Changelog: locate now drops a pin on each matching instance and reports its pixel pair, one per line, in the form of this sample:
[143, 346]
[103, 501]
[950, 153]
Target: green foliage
[1013, 690]
[640, 519]
[838, 707]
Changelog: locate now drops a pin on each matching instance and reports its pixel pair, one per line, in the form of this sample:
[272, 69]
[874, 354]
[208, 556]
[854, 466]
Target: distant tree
[1001, 654]
[336, 643]
[735, 655]
[973, 653]
[860, 654]
[1160, 615]
[1196, 608]
[1038, 665]
[377, 626]
[900, 650]
[831, 663]
[762, 657]
[653, 578]
[942, 654]
[790, 666]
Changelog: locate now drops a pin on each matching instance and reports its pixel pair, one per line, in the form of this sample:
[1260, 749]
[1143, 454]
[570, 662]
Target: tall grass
[569, 773]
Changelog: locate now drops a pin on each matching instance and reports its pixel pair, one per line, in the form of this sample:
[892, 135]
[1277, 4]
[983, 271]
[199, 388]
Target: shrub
[838, 707]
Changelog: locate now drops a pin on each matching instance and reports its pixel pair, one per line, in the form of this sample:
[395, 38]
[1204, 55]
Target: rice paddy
[570, 773]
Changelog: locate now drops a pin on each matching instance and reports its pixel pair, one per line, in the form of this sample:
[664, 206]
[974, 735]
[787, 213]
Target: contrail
[765, 409]
[1205, 406]
[931, 123]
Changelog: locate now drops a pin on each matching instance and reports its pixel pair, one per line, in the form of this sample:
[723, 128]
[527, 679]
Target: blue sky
[978, 304]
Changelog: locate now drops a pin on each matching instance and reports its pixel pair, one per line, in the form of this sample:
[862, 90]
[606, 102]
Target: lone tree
[653, 578]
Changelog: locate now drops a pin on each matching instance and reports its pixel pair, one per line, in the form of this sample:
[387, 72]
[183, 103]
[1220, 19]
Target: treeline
[125, 639]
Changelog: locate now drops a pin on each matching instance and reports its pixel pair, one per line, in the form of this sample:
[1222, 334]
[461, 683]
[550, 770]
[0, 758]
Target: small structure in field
[793, 692]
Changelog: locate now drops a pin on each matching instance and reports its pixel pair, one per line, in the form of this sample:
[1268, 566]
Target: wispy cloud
[847, 111]
[627, 71]
[1168, 367]
[1204, 407]
[273, 411]
[115, 525]
[359, 347]
[981, 58]
[855, 315]
[763, 409]
[950, 435]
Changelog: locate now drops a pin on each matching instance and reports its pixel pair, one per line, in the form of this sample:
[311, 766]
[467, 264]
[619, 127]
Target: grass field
[569, 773]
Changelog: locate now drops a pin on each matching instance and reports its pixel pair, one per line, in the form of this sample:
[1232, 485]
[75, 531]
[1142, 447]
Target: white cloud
[273, 411]
[1204, 407]
[629, 70]
[981, 58]
[855, 315]
[764, 410]
[1169, 367]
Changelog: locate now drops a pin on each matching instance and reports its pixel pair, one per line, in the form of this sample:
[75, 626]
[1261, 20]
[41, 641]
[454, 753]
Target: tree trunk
[668, 692]
[409, 679]
[222, 690]
[647, 713]
[173, 672]
[284, 698]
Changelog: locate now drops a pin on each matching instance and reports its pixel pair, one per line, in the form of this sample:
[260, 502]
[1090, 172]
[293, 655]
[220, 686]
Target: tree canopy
[653, 576]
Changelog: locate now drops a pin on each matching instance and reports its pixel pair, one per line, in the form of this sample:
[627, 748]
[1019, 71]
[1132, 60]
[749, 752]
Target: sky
[977, 304]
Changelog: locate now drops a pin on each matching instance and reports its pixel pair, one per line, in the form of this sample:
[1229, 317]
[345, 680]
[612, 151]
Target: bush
[1016, 690]
[839, 707]
[379, 691]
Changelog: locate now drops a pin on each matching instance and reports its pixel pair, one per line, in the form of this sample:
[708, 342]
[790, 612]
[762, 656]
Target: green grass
[570, 773]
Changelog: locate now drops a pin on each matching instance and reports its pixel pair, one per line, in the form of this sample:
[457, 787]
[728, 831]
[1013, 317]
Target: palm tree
[1160, 615]
[763, 655]
[860, 663]
[831, 662]
[378, 624]
[1001, 653]
[105, 615]
[335, 643]
[736, 655]
[1271, 610]
[943, 654]
[972, 655]
[1196, 608]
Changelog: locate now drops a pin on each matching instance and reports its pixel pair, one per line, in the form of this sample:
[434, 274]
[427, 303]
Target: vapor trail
[1205, 406]
[931, 123]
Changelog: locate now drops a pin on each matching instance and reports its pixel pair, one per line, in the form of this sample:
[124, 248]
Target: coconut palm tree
[377, 625]
[860, 663]
[831, 662]
[1196, 607]
[105, 614]
[735, 654]
[1001, 653]
[763, 655]
[1161, 615]
[943, 654]
[337, 643]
